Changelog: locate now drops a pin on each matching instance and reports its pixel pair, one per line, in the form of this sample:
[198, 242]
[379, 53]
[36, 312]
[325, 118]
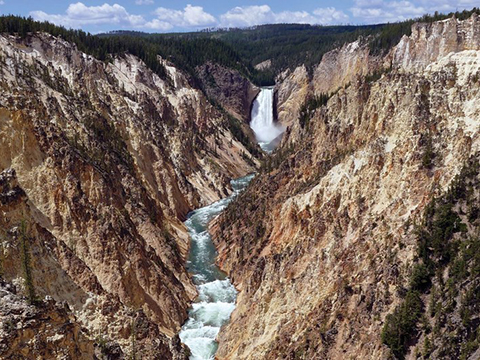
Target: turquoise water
[217, 295]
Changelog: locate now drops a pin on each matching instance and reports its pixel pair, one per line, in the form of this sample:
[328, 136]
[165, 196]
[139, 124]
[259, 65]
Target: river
[217, 295]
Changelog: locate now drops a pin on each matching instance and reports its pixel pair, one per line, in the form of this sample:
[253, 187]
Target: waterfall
[216, 294]
[262, 124]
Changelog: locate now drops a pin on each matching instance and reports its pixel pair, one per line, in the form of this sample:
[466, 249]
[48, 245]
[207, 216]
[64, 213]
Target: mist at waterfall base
[268, 133]
[217, 295]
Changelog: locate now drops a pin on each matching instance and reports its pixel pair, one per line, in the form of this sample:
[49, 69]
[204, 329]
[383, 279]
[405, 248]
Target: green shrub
[376, 75]
[238, 133]
[427, 347]
[27, 263]
[420, 278]
[310, 105]
[428, 154]
[400, 326]
[133, 354]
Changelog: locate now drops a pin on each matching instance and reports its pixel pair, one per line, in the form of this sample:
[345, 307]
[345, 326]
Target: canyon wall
[229, 88]
[102, 161]
[290, 93]
[338, 68]
[322, 244]
[429, 43]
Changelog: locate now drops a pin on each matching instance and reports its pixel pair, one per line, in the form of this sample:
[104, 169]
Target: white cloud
[144, 2]
[79, 14]
[368, 3]
[301, 17]
[263, 14]
[159, 25]
[247, 16]
[2, 2]
[446, 6]
[195, 17]
[189, 17]
[452, 5]
[381, 11]
[331, 15]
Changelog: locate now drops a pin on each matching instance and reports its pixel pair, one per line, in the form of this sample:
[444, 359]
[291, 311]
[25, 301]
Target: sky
[173, 15]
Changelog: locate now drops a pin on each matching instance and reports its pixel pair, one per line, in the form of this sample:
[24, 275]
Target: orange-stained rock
[320, 242]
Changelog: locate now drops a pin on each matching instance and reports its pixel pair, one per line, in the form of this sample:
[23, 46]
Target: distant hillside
[285, 45]
[290, 45]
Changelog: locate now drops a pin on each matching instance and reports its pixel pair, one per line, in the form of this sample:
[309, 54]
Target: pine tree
[133, 355]
[27, 263]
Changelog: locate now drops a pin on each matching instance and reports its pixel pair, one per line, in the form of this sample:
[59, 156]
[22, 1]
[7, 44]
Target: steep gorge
[322, 244]
[102, 162]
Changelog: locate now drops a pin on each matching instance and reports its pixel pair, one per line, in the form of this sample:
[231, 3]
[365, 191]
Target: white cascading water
[262, 122]
[217, 295]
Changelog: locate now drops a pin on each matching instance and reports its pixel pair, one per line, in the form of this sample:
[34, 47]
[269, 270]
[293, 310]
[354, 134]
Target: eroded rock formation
[229, 88]
[322, 242]
[103, 161]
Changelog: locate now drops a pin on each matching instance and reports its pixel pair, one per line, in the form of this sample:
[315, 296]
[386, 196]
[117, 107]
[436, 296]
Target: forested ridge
[286, 45]
[291, 45]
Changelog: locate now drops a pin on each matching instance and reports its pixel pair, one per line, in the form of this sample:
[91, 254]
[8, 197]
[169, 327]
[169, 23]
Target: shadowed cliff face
[322, 242]
[229, 88]
[107, 159]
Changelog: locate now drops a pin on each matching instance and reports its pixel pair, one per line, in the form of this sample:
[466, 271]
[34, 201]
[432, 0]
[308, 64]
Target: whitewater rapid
[262, 124]
[217, 295]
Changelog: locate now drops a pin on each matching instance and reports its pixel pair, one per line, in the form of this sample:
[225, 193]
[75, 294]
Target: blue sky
[168, 15]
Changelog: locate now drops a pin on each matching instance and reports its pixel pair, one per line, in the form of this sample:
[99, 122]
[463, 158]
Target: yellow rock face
[108, 160]
[326, 237]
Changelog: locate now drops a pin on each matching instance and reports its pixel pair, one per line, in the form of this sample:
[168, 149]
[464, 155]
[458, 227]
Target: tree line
[286, 45]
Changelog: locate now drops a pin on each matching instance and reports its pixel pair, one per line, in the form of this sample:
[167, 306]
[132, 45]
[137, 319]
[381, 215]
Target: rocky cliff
[102, 162]
[342, 66]
[45, 331]
[338, 68]
[290, 93]
[325, 242]
[429, 43]
[229, 88]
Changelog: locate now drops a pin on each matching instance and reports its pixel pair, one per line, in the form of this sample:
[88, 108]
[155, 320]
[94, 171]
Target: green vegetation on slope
[98, 47]
[391, 34]
[186, 54]
[445, 276]
[291, 45]
[27, 263]
[310, 105]
[286, 45]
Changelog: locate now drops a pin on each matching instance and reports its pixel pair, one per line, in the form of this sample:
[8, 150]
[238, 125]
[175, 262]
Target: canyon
[118, 184]
[103, 161]
[323, 242]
